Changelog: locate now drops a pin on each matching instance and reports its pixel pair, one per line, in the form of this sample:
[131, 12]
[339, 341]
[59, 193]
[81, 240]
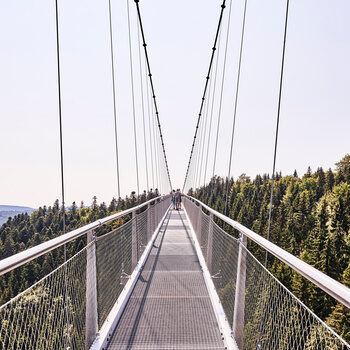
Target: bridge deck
[170, 307]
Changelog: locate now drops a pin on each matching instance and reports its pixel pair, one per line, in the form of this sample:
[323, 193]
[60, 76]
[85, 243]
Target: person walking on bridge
[173, 199]
[178, 195]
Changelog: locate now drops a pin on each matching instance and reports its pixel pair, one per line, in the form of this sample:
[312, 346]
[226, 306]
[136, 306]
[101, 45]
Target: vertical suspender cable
[205, 90]
[221, 95]
[198, 155]
[201, 140]
[155, 148]
[194, 163]
[160, 167]
[213, 100]
[60, 117]
[114, 95]
[274, 161]
[195, 158]
[142, 104]
[67, 340]
[235, 108]
[204, 132]
[152, 89]
[150, 133]
[158, 159]
[277, 122]
[133, 101]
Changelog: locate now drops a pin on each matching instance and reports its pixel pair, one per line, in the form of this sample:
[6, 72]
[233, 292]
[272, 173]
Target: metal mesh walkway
[170, 307]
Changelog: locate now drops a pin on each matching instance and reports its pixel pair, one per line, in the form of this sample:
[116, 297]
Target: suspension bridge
[152, 277]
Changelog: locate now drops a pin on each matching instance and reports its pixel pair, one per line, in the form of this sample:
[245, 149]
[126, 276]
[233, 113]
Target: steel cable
[212, 102]
[204, 132]
[198, 153]
[274, 159]
[142, 104]
[152, 88]
[221, 93]
[236, 100]
[133, 100]
[149, 129]
[67, 339]
[277, 122]
[155, 147]
[114, 94]
[205, 89]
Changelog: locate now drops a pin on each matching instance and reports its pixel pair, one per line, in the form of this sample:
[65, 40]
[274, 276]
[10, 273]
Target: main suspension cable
[205, 89]
[114, 95]
[235, 108]
[152, 89]
[133, 101]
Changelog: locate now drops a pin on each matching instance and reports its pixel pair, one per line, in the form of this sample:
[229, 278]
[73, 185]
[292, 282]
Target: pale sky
[315, 112]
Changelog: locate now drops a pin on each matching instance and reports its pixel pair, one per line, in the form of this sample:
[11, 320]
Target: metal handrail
[16, 260]
[332, 287]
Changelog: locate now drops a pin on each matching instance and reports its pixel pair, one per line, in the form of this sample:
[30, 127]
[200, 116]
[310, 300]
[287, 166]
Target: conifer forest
[310, 219]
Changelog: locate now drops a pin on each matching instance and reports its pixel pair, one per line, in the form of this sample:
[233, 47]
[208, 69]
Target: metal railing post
[91, 316]
[238, 313]
[199, 225]
[149, 229]
[134, 240]
[210, 242]
[156, 210]
[153, 217]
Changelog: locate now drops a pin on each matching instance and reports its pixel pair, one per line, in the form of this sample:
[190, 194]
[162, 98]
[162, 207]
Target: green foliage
[310, 219]
[24, 231]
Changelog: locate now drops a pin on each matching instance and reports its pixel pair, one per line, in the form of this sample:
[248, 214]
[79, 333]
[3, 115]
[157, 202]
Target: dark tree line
[24, 231]
[310, 219]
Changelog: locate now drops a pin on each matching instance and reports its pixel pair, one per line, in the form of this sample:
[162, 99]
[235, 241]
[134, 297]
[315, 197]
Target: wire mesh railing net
[52, 314]
[272, 317]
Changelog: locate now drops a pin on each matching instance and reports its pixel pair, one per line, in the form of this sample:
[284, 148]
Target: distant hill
[11, 210]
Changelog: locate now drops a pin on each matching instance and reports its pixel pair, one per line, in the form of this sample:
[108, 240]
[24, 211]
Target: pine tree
[318, 238]
[74, 209]
[339, 320]
[329, 180]
[94, 203]
[308, 173]
[9, 246]
[56, 206]
[310, 218]
[321, 182]
[344, 167]
[113, 205]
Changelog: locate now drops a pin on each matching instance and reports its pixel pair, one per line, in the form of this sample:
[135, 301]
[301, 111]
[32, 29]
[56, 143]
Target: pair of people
[176, 198]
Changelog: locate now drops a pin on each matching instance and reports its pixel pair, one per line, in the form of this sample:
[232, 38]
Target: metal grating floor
[169, 308]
